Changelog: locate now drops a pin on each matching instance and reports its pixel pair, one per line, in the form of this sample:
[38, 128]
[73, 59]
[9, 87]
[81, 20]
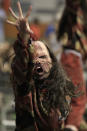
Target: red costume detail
[73, 67]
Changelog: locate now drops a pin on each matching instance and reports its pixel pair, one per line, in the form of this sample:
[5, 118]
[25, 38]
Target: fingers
[20, 10]
[28, 28]
[10, 22]
[28, 13]
[12, 12]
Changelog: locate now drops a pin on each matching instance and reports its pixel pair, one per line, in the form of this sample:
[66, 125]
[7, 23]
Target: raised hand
[20, 61]
[21, 22]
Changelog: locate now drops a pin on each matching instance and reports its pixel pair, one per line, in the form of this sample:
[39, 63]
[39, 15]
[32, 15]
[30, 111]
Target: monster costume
[42, 90]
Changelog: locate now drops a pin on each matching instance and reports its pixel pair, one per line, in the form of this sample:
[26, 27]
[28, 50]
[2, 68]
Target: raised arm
[20, 64]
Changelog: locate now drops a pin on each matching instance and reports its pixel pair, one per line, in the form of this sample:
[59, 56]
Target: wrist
[24, 36]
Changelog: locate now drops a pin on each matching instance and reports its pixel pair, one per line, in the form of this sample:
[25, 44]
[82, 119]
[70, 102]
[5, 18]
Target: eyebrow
[43, 56]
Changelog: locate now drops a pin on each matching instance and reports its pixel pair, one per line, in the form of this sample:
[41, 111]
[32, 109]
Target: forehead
[40, 46]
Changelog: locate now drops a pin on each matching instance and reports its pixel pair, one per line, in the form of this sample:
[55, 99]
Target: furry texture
[53, 92]
[58, 88]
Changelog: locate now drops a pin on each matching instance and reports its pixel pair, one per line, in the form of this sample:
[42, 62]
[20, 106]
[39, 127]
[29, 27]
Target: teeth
[39, 70]
[38, 67]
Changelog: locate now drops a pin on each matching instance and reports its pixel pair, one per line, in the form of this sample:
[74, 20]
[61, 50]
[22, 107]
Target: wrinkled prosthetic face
[41, 59]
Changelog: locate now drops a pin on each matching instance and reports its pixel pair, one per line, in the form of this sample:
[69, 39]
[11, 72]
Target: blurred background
[43, 20]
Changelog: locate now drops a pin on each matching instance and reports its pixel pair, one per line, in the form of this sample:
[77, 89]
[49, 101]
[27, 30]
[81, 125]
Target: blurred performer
[72, 34]
[42, 90]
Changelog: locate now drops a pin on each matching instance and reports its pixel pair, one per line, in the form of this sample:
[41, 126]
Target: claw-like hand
[21, 22]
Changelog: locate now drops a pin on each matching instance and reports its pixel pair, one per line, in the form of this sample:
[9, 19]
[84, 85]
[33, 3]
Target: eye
[44, 56]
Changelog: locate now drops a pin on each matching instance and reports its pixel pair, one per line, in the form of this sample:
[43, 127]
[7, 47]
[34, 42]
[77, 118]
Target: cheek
[47, 66]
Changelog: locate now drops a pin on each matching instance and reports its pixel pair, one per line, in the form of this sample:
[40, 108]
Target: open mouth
[39, 70]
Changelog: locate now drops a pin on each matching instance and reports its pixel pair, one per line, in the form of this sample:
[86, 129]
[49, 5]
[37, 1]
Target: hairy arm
[22, 48]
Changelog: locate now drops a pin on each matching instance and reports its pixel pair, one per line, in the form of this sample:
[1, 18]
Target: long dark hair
[58, 86]
[67, 21]
[84, 8]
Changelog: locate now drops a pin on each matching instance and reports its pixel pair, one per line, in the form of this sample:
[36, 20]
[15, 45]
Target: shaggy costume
[41, 103]
[74, 50]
